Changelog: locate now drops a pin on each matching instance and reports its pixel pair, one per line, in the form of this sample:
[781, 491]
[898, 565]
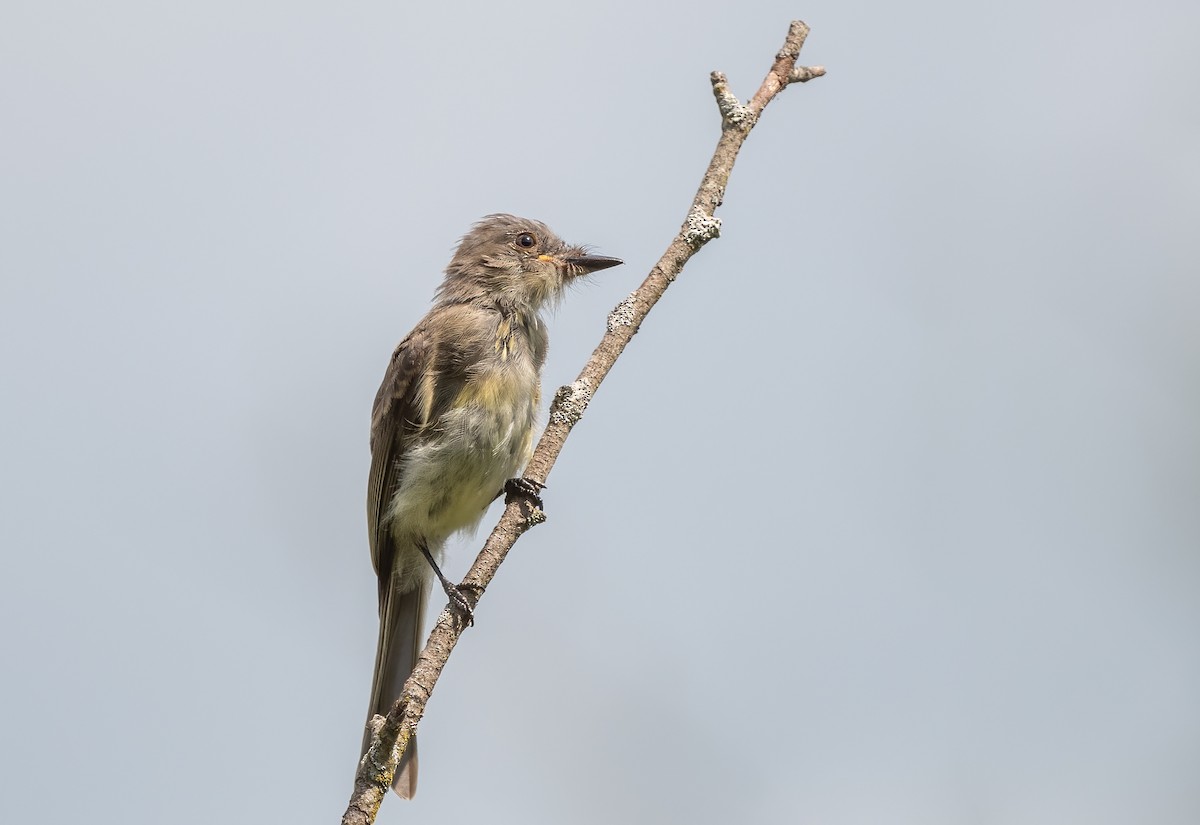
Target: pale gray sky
[890, 514]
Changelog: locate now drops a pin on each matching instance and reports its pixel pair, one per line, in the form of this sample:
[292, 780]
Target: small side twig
[391, 736]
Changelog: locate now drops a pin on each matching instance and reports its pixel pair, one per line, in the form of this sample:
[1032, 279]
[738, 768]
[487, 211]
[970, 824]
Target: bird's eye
[526, 241]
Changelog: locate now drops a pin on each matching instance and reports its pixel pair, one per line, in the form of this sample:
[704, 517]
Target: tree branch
[375, 772]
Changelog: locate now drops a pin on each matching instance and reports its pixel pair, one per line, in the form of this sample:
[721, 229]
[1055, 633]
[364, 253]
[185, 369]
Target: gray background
[890, 514]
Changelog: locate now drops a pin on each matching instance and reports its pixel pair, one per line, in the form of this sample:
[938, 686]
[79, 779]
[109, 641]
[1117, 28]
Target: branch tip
[733, 112]
[797, 33]
[803, 74]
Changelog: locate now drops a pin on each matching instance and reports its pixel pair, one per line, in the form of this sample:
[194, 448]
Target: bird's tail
[399, 643]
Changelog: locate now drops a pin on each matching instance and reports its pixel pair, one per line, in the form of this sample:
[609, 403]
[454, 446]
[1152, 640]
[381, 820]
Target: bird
[452, 426]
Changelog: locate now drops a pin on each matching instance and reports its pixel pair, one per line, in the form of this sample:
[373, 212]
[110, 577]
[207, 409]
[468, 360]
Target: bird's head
[518, 261]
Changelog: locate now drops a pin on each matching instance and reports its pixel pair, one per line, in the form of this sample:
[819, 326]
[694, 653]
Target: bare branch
[375, 772]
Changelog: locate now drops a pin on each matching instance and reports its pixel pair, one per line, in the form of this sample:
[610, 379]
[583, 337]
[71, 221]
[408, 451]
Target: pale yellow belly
[484, 440]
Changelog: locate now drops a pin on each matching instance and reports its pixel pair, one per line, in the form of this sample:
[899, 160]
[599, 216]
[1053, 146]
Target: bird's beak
[592, 263]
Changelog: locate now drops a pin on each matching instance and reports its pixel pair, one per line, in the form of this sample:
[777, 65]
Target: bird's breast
[484, 438]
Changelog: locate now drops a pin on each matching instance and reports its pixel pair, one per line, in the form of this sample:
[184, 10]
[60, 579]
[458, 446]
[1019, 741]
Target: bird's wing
[403, 407]
[426, 374]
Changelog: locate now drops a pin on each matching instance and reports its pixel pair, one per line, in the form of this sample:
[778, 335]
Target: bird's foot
[525, 488]
[459, 601]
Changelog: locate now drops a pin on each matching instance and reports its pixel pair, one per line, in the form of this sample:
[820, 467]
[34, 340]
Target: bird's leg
[525, 488]
[454, 591]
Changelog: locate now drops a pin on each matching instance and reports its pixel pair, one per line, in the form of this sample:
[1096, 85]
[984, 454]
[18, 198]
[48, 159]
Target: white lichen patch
[622, 315]
[701, 227]
[570, 402]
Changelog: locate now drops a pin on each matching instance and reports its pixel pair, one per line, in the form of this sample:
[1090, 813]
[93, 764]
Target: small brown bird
[453, 422]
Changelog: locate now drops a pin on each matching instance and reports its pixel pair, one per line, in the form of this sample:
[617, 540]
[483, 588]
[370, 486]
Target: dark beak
[592, 263]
